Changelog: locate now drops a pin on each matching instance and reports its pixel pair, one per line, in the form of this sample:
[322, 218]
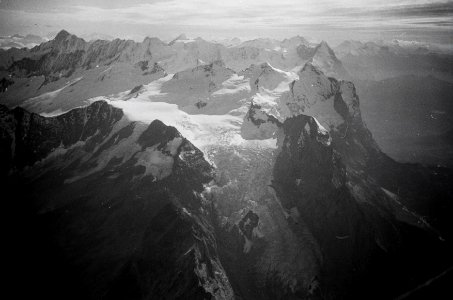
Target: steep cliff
[108, 208]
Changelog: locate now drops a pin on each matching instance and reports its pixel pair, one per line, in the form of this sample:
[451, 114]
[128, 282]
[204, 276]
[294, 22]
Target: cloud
[244, 16]
[40, 5]
[433, 9]
[420, 10]
[260, 13]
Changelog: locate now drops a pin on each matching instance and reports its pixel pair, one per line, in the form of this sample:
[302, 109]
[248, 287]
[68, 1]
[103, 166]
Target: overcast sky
[424, 20]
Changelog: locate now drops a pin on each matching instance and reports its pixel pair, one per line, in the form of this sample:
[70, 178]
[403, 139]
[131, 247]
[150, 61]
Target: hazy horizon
[333, 21]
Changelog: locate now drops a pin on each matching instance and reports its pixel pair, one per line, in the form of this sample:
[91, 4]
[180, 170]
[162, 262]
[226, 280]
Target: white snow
[149, 90]
[234, 84]
[53, 113]
[217, 124]
[201, 130]
[173, 145]
[156, 163]
[185, 41]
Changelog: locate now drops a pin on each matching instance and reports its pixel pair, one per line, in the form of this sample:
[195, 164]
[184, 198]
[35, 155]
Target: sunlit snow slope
[207, 104]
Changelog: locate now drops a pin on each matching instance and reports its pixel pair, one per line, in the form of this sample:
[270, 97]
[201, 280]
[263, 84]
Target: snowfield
[209, 104]
[217, 124]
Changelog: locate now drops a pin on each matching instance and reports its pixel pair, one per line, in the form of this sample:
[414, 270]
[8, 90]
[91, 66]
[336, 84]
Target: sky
[333, 21]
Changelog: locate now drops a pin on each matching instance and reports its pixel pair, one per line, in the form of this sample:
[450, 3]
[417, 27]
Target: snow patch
[202, 130]
[173, 145]
[233, 85]
[155, 162]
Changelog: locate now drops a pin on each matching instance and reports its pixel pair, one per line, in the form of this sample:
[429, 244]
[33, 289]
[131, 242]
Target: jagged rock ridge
[123, 201]
[327, 176]
[138, 203]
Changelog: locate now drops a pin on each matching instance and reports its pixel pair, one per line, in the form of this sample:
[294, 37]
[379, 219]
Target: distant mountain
[356, 48]
[262, 43]
[381, 60]
[398, 47]
[97, 36]
[325, 59]
[104, 67]
[229, 42]
[174, 56]
[20, 41]
[180, 38]
[264, 76]
[294, 42]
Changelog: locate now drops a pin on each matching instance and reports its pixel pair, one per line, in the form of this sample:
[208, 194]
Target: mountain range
[67, 58]
[195, 170]
[382, 60]
[20, 41]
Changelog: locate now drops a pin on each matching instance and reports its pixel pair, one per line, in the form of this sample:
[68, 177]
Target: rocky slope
[103, 67]
[297, 202]
[109, 208]
[325, 59]
[337, 187]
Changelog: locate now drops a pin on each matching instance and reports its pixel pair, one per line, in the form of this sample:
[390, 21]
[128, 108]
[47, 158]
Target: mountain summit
[201, 171]
[62, 35]
[213, 184]
[325, 59]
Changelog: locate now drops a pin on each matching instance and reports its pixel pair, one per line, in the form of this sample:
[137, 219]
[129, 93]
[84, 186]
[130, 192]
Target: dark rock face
[263, 75]
[143, 65]
[325, 59]
[254, 109]
[62, 56]
[136, 89]
[305, 52]
[310, 176]
[259, 125]
[362, 234]
[155, 69]
[115, 230]
[53, 59]
[29, 137]
[4, 84]
[200, 104]
[363, 213]
[248, 223]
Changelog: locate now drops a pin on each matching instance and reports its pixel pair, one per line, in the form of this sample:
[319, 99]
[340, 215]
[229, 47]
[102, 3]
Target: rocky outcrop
[189, 87]
[258, 125]
[121, 204]
[325, 177]
[325, 59]
[263, 76]
[349, 214]
[67, 53]
[28, 137]
[62, 56]
[5, 83]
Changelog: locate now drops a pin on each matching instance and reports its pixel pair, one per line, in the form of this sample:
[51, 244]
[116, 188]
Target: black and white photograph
[226, 150]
